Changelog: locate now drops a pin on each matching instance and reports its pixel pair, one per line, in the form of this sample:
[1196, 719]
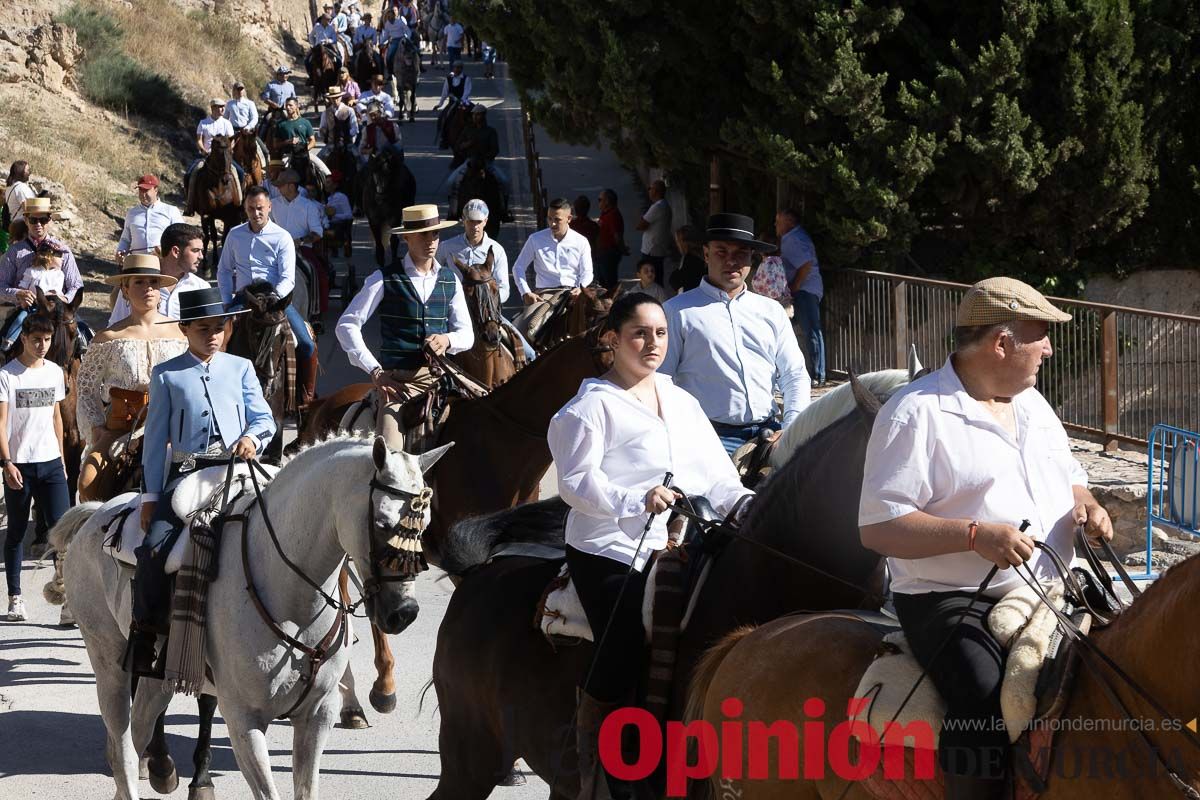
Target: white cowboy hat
[137, 265]
[422, 218]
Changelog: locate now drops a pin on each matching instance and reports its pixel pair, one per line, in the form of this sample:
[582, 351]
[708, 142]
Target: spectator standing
[145, 222]
[804, 281]
[582, 223]
[17, 190]
[454, 33]
[655, 226]
[610, 240]
[31, 446]
[692, 268]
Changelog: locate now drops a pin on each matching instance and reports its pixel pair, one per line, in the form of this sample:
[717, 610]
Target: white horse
[320, 505]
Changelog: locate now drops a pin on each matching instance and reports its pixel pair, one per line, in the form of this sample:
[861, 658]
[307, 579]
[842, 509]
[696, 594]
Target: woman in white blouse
[613, 444]
[114, 377]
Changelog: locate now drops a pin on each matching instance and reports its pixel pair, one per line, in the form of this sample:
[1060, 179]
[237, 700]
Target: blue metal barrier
[1172, 485]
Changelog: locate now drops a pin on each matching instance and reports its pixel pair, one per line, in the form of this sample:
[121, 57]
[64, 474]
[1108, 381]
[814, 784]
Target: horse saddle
[196, 491]
[532, 319]
[753, 459]
[1039, 668]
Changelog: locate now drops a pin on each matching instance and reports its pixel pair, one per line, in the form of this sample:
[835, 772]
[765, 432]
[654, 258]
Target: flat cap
[996, 300]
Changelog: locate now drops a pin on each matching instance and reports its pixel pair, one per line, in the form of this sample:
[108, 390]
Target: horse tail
[60, 538]
[706, 671]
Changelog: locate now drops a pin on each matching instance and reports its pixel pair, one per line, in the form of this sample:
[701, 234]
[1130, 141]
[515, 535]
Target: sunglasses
[38, 220]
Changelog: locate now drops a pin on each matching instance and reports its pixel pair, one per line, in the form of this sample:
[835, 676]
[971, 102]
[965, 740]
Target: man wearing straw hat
[958, 461]
[422, 308]
[339, 123]
[182, 247]
[19, 258]
[145, 222]
[198, 402]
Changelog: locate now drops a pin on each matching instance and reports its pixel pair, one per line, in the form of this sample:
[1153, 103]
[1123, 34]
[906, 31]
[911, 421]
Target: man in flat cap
[957, 464]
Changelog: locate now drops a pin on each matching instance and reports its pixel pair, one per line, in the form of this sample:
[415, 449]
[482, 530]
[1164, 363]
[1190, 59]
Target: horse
[567, 316]
[322, 63]
[366, 62]
[793, 661]
[488, 361]
[388, 186]
[477, 183]
[215, 193]
[299, 159]
[490, 659]
[257, 675]
[435, 16]
[406, 78]
[451, 123]
[249, 154]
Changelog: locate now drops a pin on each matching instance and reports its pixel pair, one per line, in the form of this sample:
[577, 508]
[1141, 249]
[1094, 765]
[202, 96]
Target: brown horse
[497, 353]
[775, 668]
[215, 193]
[504, 692]
[387, 186]
[570, 316]
[248, 153]
[322, 70]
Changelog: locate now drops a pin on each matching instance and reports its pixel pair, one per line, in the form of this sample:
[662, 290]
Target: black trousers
[618, 665]
[967, 672]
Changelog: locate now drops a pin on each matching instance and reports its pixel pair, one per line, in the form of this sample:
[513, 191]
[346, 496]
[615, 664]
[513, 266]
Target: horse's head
[265, 304]
[220, 154]
[483, 299]
[588, 309]
[391, 551]
[476, 168]
[62, 315]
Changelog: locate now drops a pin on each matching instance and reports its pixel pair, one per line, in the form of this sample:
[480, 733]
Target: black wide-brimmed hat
[734, 228]
[202, 304]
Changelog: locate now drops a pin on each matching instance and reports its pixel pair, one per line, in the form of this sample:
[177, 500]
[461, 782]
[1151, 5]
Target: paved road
[52, 733]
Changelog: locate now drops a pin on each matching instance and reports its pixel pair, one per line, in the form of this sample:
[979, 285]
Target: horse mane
[831, 407]
[472, 540]
[329, 445]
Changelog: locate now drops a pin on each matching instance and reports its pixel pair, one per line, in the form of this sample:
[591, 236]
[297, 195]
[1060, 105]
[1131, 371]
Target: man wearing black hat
[204, 406]
[730, 348]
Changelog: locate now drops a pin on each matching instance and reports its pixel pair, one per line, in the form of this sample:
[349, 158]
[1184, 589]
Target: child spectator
[45, 273]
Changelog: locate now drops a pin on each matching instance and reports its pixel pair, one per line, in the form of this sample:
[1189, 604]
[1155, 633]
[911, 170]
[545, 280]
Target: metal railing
[537, 182]
[1172, 486]
[1116, 371]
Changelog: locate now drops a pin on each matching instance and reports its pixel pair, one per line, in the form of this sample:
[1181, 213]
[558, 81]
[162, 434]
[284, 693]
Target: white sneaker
[66, 617]
[16, 609]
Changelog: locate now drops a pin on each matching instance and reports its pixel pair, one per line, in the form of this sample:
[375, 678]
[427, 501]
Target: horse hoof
[201, 793]
[163, 777]
[383, 703]
[354, 719]
[513, 778]
[143, 768]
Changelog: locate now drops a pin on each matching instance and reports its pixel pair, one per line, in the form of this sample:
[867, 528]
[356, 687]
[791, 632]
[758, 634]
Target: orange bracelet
[972, 529]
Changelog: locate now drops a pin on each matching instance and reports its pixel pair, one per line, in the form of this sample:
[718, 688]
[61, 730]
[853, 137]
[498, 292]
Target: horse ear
[77, 300]
[866, 400]
[428, 459]
[914, 363]
[379, 453]
[41, 299]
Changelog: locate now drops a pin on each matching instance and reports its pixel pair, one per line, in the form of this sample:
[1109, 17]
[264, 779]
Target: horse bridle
[486, 301]
[404, 545]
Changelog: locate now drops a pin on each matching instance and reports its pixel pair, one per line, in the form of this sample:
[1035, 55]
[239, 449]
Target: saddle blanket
[531, 318]
[193, 492]
[1020, 622]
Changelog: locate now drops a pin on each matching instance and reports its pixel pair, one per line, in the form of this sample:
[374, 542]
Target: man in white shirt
[209, 128]
[561, 258]
[456, 85]
[472, 247]
[377, 93]
[182, 248]
[731, 348]
[145, 222]
[421, 306]
[454, 33]
[241, 111]
[967, 468]
[304, 220]
[323, 29]
[655, 226]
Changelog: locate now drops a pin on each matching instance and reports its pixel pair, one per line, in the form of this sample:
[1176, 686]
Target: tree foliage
[1018, 136]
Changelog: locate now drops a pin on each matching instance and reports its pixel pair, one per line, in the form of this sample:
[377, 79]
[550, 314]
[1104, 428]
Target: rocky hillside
[96, 92]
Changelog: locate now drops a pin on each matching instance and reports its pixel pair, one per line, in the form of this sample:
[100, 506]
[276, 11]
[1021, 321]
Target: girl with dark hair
[17, 190]
[613, 444]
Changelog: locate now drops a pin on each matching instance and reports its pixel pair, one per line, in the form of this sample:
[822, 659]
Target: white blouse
[123, 363]
[610, 449]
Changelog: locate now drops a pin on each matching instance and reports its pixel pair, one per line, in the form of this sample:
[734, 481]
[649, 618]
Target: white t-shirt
[31, 395]
[454, 34]
[657, 238]
[48, 280]
[210, 128]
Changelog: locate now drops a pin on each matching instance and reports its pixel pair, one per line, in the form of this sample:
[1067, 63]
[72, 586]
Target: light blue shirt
[268, 255]
[144, 226]
[192, 402]
[278, 92]
[242, 113]
[458, 249]
[322, 33]
[731, 355]
[797, 249]
[365, 33]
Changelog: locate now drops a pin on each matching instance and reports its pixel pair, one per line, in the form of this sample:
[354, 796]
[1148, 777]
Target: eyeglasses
[38, 220]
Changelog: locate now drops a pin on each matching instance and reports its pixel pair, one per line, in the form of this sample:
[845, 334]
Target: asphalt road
[52, 736]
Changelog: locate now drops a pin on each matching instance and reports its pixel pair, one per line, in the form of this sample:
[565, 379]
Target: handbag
[125, 406]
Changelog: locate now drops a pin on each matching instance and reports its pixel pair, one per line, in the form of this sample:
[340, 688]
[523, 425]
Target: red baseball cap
[147, 182]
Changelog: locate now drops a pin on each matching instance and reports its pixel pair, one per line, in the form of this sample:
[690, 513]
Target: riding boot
[308, 378]
[594, 782]
[966, 787]
[151, 612]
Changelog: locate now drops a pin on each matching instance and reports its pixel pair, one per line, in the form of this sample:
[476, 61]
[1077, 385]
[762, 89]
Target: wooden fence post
[716, 202]
[900, 323]
[1108, 378]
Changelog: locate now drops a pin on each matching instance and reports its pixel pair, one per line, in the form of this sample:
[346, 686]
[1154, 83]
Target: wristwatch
[4, 462]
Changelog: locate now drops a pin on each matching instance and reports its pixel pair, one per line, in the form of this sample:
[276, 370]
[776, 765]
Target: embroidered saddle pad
[193, 492]
[531, 319]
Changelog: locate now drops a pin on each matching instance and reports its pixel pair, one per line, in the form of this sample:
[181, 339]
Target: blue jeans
[46, 482]
[808, 313]
[393, 46]
[305, 347]
[734, 436]
[13, 331]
